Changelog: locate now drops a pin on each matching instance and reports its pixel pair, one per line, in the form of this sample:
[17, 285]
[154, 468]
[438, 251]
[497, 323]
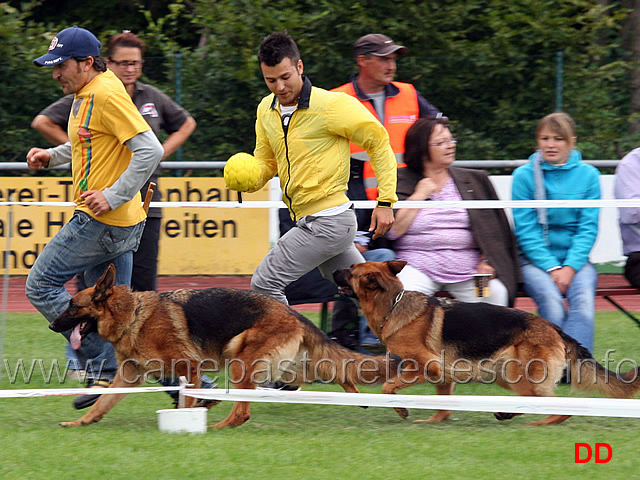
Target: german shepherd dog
[521, 351]
[258, 336]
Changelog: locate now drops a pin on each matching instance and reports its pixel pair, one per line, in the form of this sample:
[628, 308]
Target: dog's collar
[393, 307]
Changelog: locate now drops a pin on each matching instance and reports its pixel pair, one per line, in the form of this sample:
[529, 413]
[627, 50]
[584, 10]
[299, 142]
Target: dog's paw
[439, 416]
[70, 424]
[503, 416]
[403, 412]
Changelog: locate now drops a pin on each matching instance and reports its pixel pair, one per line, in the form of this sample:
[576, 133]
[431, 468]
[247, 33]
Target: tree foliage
[490, 65]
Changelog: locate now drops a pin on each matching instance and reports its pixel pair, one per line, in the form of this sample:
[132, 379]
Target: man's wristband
[383, 204]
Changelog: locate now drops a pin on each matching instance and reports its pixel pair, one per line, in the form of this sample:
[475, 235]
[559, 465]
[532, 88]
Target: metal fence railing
[188, 165]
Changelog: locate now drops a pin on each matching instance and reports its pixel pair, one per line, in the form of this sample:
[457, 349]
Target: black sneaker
[373, 345]
[286, 387]
[205, 382]
[346, 338]
[84, 401]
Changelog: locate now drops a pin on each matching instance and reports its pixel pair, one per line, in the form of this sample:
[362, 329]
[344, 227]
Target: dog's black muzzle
[64, 322]
[341, 278]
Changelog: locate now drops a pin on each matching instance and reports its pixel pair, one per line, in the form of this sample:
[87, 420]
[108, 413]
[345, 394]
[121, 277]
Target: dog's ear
[104, 284]
[396, 266]
[374, 281]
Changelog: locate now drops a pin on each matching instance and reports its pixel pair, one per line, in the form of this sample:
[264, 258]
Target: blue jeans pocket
[116, 240]
[73, 229]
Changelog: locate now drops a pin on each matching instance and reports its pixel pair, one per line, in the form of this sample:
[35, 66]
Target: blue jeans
[82, 245]
[379, 255]
[579, 320]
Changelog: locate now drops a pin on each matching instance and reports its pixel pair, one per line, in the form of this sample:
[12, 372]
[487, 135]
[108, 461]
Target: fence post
[178, 57]
[559, 74]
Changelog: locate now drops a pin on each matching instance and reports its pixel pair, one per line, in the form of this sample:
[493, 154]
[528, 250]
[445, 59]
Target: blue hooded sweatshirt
[570, 232]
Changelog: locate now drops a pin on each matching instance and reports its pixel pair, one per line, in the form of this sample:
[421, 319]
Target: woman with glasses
[125, 52]
[556, 242]
[445, 248]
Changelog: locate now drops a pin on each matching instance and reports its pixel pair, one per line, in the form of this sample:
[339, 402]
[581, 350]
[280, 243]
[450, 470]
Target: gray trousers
[323, 242]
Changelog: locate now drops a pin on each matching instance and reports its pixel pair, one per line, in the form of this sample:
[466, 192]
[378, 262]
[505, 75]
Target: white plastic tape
[65, 392]
[597, 407]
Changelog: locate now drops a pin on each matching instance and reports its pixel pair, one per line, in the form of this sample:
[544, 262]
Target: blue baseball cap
[70, 42]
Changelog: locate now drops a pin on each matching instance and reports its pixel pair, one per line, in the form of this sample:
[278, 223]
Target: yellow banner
[193, 241]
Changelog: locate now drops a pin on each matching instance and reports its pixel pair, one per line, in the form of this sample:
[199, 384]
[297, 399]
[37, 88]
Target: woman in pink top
[444, 248]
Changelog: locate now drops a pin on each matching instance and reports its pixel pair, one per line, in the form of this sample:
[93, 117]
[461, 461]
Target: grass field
[298, 441]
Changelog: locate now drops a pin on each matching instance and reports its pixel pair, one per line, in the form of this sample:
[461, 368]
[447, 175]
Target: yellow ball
[241, 172]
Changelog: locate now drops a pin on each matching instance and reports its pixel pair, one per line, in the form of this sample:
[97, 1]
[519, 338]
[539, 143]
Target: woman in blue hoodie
[555, 243]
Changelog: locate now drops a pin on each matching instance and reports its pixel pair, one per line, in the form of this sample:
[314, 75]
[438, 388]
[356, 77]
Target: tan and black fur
[495, 343]
[210, 325]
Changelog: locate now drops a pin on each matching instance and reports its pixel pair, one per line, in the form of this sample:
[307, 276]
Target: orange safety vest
[400, 112]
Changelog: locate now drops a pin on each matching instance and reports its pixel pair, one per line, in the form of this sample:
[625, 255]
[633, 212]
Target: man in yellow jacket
[302, 135]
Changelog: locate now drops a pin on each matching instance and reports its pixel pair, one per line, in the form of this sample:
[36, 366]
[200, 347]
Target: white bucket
[183, 420]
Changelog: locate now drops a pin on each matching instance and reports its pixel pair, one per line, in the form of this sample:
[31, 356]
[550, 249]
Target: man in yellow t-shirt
[113, 152]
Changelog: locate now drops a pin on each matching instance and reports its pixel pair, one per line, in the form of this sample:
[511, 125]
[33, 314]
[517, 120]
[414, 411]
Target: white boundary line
[595, 407]
[369, 204]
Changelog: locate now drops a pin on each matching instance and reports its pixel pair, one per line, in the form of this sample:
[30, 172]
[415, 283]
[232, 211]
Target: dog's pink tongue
[76, 338]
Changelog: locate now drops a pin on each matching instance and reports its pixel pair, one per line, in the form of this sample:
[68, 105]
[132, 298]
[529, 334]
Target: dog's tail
[588, 375]
[332, 363]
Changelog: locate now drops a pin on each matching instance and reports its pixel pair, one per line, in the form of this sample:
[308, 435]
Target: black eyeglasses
[125, 63]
